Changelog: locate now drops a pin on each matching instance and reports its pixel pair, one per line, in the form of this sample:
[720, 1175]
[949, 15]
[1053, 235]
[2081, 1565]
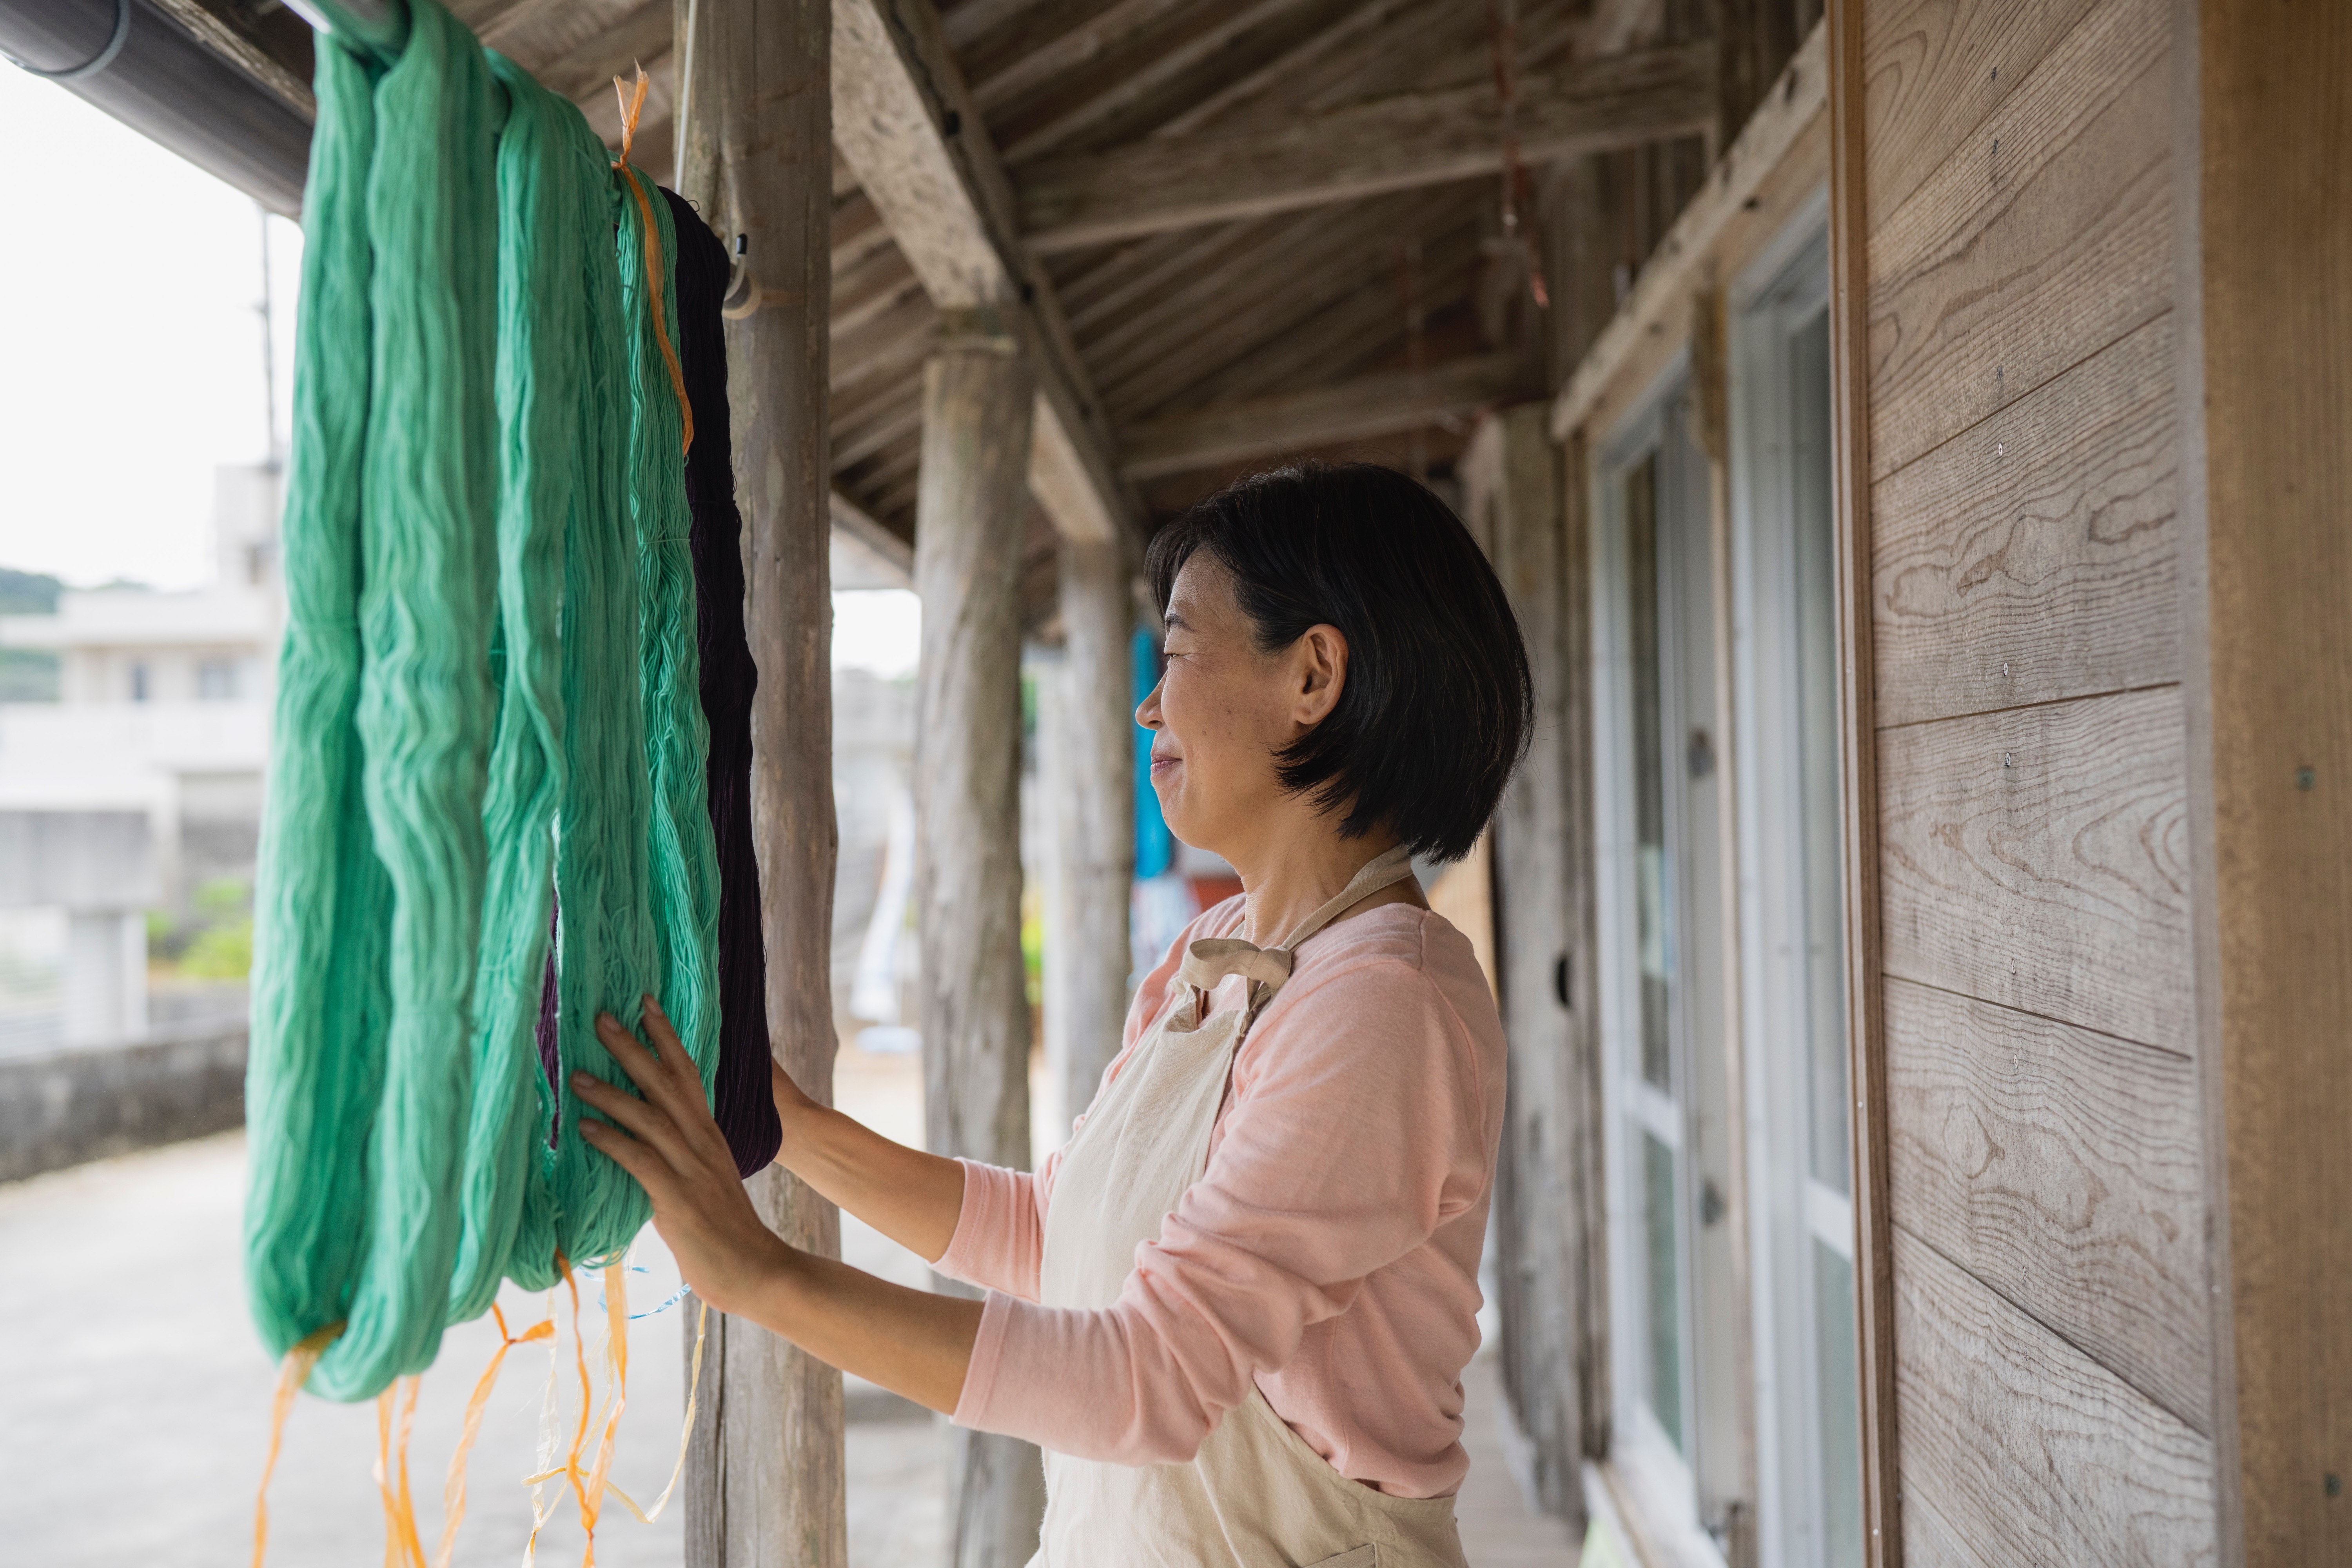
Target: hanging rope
[1503, 46]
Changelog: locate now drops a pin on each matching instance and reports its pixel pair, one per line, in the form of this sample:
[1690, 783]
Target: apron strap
[1212, 958]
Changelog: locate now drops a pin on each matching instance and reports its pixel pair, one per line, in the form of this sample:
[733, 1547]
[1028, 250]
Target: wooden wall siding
[2033, 558]
[2040, 1455]
[2039, 858]
[2054, 1379]
[2043, 236]
[2064, 1169]
[1937, 70]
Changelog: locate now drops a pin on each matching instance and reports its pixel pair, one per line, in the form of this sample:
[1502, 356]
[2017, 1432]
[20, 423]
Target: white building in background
[161, 731]
[164, 700]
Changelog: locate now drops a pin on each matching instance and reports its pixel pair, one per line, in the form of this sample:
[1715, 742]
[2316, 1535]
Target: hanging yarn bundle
[491, 721]
[742, 1099]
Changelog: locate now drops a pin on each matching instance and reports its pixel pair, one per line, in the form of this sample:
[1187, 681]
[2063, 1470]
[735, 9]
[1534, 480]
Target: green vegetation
[215, 942]
[28, 675]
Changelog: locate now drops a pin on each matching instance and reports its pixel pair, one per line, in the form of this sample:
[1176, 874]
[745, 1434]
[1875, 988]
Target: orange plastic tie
[616, 1366]
[452, 1492]
[402, 1548]
[632, 103]
[292, 1373]
[579, 1437]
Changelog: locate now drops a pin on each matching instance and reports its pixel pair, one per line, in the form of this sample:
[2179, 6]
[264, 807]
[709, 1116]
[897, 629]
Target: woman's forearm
[912, 1198]
[910, 1341]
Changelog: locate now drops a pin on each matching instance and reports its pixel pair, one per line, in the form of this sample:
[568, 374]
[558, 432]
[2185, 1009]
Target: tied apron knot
[1213, 959]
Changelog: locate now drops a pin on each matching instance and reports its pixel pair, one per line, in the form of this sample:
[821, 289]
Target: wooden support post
[2265, 252]
[764, 1480]
[970, 514]
[1092, 776]
[1545, 1251]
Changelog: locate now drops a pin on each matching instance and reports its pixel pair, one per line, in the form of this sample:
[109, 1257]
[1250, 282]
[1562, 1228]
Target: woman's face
[1222, 710]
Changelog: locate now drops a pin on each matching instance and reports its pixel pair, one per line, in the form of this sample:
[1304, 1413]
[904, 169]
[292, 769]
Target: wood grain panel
[1929, 1542]
[1936, 69]
[2045, 236]
[2033, 557]
[2027, 1449]
[2064, 1169]
[2038, 858]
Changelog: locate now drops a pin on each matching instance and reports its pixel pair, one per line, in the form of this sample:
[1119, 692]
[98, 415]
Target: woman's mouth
[1160, 762]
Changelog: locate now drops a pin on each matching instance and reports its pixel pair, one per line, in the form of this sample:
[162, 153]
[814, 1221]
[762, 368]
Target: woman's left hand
[674, 1149]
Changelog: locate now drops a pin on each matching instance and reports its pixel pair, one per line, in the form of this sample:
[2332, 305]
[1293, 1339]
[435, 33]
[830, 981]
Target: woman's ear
[1321, 670]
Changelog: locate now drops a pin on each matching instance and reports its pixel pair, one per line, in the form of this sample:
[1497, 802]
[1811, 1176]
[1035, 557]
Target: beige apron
[1256, 1496]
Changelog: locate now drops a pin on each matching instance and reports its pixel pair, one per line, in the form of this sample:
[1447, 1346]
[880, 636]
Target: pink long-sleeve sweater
[1330, 1251]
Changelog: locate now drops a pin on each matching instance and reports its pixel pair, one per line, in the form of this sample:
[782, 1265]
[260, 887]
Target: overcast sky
[132, 342]
[130, 359]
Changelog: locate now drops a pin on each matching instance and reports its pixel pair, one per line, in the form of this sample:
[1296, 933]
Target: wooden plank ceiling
[1273, 226]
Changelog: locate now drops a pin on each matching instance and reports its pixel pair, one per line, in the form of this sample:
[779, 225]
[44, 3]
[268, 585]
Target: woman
[1236, 1307]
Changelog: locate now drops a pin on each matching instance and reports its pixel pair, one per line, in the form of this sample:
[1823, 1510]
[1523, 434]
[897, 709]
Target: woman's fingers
[646, 1120]
[670, 1083]
[640, 1159]
[692, 1107]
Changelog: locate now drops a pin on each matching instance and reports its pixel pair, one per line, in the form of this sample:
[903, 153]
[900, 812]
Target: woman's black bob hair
[1434, 716]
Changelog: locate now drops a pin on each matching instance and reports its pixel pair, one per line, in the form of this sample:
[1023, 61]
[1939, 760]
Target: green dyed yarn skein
[489, 679]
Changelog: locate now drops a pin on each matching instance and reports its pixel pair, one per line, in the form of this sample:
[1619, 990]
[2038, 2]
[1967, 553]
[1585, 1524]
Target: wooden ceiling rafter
[1234, 277]
[1386, 404]
[1431, 31]
[1120, 277]
[853, 446]
[1419, 139]
[1050, 114]
[1049, 39]
[905, 121]
[1350, 255]
[1344, 337]
[1177, 78]
[1269, 259]
[1172, 385]
[880, 283]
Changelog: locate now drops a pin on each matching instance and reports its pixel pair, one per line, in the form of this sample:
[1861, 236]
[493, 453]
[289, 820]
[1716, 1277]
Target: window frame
[1785, 288]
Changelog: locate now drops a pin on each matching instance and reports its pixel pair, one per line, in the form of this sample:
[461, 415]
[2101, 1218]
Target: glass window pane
[1664, 1287]
[1840, 1407]
[1817, 718]
[1649, 765]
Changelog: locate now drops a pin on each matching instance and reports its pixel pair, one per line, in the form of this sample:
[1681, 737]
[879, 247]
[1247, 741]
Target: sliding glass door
[1673, 1153]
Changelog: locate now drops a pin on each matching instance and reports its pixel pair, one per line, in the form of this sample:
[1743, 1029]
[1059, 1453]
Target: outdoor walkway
[134, 1400]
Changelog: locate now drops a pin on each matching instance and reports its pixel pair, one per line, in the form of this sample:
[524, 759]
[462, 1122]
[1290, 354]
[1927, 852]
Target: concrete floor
[134, 1399]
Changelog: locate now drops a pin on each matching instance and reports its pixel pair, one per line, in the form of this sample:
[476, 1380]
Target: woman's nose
[1146, 712]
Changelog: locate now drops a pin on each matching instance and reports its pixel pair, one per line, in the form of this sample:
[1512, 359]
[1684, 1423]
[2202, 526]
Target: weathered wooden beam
[1087, 758]
[970, 515]
[764, 1472]
[907, 125]
[1411, 140]
[1798, 99]
[1368, 405]
[1141, 71]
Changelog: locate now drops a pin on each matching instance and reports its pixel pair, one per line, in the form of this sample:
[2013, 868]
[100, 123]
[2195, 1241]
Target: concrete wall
[61, 1109]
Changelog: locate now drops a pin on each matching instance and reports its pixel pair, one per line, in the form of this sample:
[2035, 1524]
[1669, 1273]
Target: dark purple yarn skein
[742, 1097]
